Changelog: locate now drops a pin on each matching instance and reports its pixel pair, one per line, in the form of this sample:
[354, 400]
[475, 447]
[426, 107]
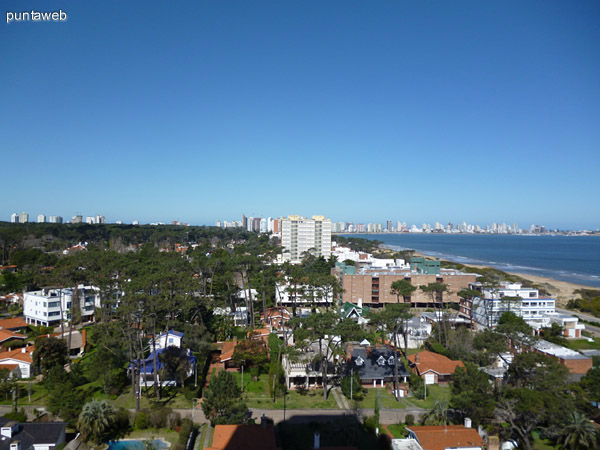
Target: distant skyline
[360, 111]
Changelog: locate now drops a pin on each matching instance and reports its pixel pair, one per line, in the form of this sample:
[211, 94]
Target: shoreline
[562, 291]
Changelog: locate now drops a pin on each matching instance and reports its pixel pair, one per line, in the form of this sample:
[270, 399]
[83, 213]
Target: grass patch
[386, 400]
[169, 435]
[583, 344]
[175, 400]
[434, 393]
[398, 431]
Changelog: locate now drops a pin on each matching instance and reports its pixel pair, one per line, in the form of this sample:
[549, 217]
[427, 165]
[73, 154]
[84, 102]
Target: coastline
[562, 291]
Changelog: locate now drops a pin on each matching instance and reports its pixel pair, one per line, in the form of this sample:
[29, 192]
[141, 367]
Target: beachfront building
[301, 236]
[49, 306]
[538, 311]
[373, 285]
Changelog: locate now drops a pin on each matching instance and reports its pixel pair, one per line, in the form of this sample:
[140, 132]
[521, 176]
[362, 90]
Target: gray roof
[34, 433]
[371, 369]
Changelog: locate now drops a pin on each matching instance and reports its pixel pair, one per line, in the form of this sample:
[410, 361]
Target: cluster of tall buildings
[42, 218]
[437, 227]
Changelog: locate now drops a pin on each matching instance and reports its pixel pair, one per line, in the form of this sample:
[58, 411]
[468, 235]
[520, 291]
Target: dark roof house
[374, 364]
[31, 435]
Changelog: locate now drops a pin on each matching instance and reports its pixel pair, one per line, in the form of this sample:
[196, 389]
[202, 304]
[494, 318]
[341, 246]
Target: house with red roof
[244, 437]
[23, 357]
[433, 367]
[443, 437]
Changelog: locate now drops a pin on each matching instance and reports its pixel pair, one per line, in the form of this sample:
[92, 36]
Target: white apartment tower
[41, 218]
[300, 235]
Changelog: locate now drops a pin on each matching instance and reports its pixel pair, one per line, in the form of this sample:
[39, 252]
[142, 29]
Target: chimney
[360, 302]
[467, 422]
[23, 349]
[416, 357]
[263, 421]
[317, 443]
[16, 445]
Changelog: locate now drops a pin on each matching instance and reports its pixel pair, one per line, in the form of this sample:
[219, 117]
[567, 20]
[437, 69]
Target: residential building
[21, 357]
[44, 307]
[445, 437]
[576, 362]
[31, 436]
[14, 218]
[243, 437]
[538, 311]
[56, 219]
[77, 219]
[374, 284]
[23, 217]
[288, 294]
[171, 338]
[41, 218]
[303, 372]
[300, 236]
[275, 318]
[433, 367]
[375, 365]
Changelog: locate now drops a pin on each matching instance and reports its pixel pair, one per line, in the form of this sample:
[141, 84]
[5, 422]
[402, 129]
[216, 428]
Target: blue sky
[362, 111]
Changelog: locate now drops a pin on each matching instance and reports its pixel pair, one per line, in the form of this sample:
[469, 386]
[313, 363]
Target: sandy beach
[562, 291]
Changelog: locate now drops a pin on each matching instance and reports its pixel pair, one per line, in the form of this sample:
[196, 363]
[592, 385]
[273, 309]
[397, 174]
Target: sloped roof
[433, 362]
[370, 368]
[34, 433]
[228, 349]
[348, 307]
[19, 355]
[243, 437]
[16, 322]
[449, 436]
[5, 335]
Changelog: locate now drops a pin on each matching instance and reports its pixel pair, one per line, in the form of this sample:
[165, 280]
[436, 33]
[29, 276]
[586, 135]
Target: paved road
[386, 416]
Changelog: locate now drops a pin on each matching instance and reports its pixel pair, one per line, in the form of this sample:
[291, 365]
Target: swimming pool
[134, 445]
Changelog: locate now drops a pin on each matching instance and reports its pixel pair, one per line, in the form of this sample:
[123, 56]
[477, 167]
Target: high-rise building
[77, 219]
[100, 219]
[23, 217]
[14, 218]
[244, 221]
[300, 235]
[56, 219]
[41, 218]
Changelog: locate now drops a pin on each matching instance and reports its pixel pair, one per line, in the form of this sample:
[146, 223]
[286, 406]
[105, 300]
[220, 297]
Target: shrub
[370, 424]
[185, 430]
[352, 384]
[17, 416]
[173, 420]
[157, 418]
[141, 421]
[409, 420]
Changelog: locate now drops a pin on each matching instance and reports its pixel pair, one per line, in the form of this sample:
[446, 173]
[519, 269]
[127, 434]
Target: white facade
[44, 307]
[56, 219]
[524, 302]
[14, 218]
[300, 235]
[41, 218]
[169, 339]
[23, 217]
[303, 295]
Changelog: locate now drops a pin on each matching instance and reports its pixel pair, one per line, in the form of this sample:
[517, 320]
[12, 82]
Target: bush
[141, 421]
[17, 416]
[352, 383]
[409, 420]
[157, 417]
[370, 424]
[185, 430]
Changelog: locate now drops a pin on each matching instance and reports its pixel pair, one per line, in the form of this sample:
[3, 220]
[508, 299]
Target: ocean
[568, 258]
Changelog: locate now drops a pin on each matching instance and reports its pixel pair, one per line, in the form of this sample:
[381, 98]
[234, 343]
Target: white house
[286, 294]
[44, 307]
[21, 357]
[171, 338]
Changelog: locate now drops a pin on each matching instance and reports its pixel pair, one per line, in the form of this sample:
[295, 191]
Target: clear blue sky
[359, 110]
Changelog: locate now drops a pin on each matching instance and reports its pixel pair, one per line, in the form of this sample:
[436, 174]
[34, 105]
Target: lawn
[258, 396]
[398, 431]
[175, 400]
[434, 393]
[168, 435]
[386, 400]
[583, 344]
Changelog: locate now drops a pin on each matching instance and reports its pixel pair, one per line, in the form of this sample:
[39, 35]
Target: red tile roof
[243, 437]
[17, 322]
[5, 335]
[433, 362]
[449, 436]
[228, 349]
[20, 354]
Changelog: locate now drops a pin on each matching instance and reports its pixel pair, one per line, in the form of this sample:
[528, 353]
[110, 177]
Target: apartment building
[374, 285]
[300, 235]
[44, 307]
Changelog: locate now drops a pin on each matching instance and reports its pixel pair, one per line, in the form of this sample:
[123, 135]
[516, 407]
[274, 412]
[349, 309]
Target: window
[391, 361]
[359, 361]
[381, 361]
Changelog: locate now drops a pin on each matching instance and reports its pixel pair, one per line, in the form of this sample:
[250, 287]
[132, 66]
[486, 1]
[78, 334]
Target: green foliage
[417, 386]
[176, 364]
[222, 401]
[17, 416]
[472, 394]
[49, 353]
[352, 384]
[251, 353]
[591, 383]
[96, 419]
[588, 303]
[64, 399]
[578, 433]
[185, 430]
[358, 244]
[140, 421]
[409, 420]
